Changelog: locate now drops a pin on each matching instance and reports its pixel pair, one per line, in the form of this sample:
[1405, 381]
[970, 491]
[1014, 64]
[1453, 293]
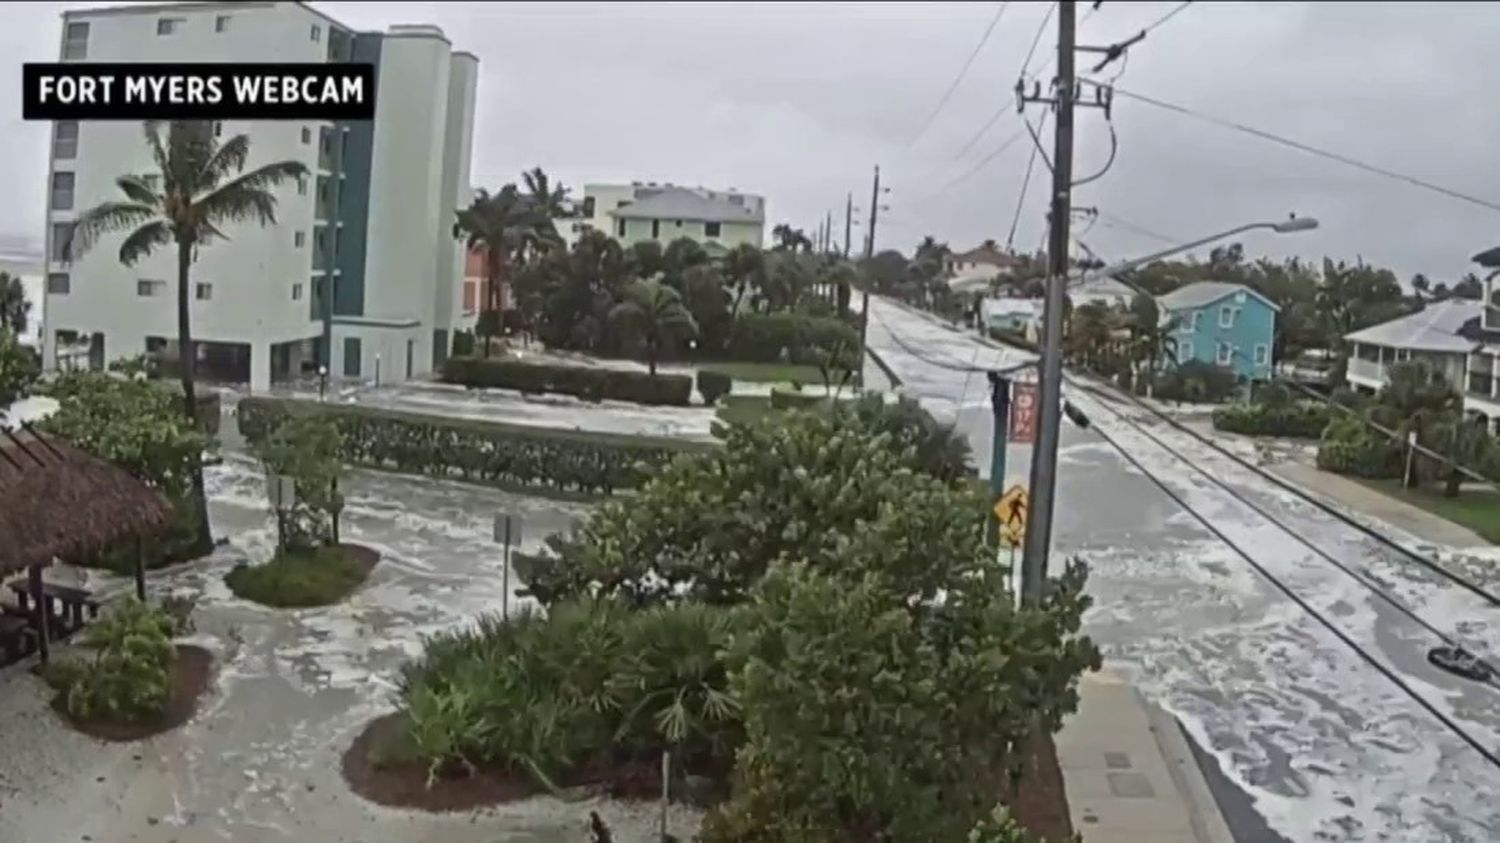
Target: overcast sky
[797, 101]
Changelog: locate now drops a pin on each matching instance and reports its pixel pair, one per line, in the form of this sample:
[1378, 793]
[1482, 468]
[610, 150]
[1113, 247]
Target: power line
[1010, 238]
[1168, 16]
[1004, 145]
[1307, 148]
[1286, 590]
[1037, 39]
[961, 74]
[1113, 221]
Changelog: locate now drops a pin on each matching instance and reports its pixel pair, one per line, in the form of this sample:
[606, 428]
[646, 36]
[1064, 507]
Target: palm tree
[548, 198]
[200, 185]
[656, 313]
[14, 308]
[743, 267]
[502, 224]
[790, 239]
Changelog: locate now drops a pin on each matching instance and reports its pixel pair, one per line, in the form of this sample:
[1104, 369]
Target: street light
[1043, 485]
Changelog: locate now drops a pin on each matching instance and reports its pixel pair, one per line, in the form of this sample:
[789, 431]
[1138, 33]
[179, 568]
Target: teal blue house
[1224, 324]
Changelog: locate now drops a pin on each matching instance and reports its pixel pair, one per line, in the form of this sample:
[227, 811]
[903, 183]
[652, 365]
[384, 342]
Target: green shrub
[463, 343]
[795, 399]
[1001, 827]
[934, 448]
[127, 679]
[588, 382]
[297, 579]
[510, 456]
[1350, 447]
[789, 337]
[1302, 420]
[1195, 382]
[713, 385]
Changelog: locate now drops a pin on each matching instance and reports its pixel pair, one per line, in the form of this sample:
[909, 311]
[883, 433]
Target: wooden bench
[17, 638]
[67, 615]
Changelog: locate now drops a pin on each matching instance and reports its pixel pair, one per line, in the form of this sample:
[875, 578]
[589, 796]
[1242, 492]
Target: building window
[351, 357]
[296, 292]
[147, 287]
[1226, 353]
[655, 229]
[302, 185]
[620, 227]
[710, 229]
[588, 206]
[218, 128]
[62, 232]
[1226, 317]
[76, 41]
[1197, 320]
[167, 26]
[678, 223]
[62, 191]
[221, 23]
[1262, 355]
[65, 139]
[1184, 352]
[58, 283]
[203, 292]
[306, 135]
[299, 239]
[317, 32]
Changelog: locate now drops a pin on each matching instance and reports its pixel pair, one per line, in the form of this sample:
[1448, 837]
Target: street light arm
[1302, 224]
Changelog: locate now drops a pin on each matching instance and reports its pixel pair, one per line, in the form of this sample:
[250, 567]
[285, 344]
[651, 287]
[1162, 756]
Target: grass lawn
[304, 578]
[769, 372]
[1476, 509]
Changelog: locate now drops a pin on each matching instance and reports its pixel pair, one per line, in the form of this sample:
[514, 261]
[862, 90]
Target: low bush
[300, 578]
[794, 338]
[127, 678]
[934, 448]
[1303, 420]
[463, 343]
[590, 683]
[510, 456]
[587, 382]
[713, 385]
[1350, 447]
[1194, 382]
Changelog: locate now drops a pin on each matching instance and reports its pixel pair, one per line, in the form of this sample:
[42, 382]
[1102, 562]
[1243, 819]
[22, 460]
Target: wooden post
[140, 569]
[39, 610]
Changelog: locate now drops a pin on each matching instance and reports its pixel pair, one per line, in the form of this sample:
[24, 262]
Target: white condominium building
[361, 270]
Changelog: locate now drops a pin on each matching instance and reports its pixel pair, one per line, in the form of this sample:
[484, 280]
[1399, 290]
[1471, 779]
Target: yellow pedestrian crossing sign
[1011, 512]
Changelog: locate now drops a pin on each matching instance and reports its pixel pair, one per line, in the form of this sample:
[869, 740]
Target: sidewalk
[1371, 504]
[1130, 773]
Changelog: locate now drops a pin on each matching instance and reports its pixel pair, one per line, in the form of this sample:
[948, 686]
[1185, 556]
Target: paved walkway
[1130, 773]
[1363, 500]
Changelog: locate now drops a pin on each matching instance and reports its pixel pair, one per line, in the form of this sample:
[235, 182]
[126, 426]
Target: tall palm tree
[743, 267]
[550, 199]
[14, 308]
[656, 313]
[502, 225]
[200, 185]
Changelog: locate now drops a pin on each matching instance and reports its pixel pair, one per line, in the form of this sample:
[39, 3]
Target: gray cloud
[798, 100]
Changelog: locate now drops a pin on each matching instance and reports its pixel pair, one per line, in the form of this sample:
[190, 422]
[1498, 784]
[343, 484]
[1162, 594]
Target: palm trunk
[187, 360]
[651, 355]
[492, 294]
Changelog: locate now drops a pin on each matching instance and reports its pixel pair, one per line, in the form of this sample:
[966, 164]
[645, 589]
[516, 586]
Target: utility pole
[848, 222]
[864, 320]
[1049, 415]
[874, 214]
[828, 232]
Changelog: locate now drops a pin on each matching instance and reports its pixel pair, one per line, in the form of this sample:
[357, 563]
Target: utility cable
[1015, 220]
[1004, 145]
[1303, 147]
[1364, 654]
[947, 95]
[1168, 16]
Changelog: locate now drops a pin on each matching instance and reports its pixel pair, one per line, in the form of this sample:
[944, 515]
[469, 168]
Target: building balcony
[1483, 385]
[1366, 370]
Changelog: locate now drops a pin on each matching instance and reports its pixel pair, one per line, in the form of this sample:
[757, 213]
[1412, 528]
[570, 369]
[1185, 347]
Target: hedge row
[587, 382]
[510, 456]
[1348, 447]
[793, 338]
[1301, 420]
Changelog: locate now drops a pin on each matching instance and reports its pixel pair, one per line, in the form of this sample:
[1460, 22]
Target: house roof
[1200, 293]
[681, 203]
[58, 501]
[986, 254]
[1434, 328]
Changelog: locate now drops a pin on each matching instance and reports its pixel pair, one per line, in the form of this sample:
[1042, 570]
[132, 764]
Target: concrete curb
[1208, 821]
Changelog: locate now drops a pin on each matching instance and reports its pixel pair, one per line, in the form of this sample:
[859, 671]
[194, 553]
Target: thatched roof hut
[58, 501]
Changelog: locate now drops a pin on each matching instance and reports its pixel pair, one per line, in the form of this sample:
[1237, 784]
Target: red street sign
[1023, 413]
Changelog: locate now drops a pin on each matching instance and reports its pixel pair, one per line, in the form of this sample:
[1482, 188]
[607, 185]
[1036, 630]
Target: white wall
[458, 143]
[253, 272]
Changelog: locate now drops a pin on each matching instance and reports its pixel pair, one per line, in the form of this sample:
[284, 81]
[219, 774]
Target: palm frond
[248, 196]
[139, 188]
[152, 129]
[228, 158]
[144, 240]
[103, 219]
